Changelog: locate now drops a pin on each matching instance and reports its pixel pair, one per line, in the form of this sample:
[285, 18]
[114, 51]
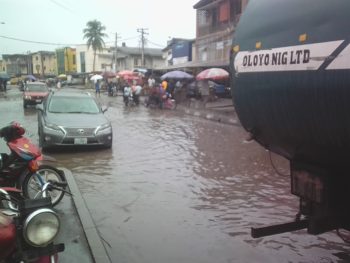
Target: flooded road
[175, 188]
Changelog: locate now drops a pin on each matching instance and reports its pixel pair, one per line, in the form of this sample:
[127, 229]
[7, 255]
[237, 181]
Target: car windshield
[73, 105]
[37, 88]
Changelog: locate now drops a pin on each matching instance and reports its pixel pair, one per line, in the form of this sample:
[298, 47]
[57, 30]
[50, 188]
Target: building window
[224, 12]
[43, 58]
[36, 58]
[74, 59]
[136, 61]
[202, 17]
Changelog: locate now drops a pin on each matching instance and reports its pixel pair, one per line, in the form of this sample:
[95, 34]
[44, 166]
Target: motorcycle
[27, 230]
[165, 102]
[21, 168]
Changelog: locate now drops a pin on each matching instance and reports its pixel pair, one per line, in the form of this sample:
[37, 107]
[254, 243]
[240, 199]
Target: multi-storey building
[66, 60]
[44, 63]
[215, 26]
[17, 64]
[178, 51]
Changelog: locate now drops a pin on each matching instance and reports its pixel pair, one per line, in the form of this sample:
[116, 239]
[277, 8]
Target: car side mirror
[104, 109]
[39, 107]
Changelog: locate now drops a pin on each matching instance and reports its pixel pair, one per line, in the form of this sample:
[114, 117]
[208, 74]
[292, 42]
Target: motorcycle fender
[46, 259]
[11, 189]
[21, 178]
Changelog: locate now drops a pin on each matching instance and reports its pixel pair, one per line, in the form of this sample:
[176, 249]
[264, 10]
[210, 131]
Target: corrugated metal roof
[199, 64]
[154, 52]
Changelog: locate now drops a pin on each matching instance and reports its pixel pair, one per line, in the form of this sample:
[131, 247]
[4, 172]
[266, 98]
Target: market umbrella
[213, 74]
[176, 74]
[125, 73]
[31, 77]
[109, 74]
[130, 77]
[62, 76]
[4, 76]
[96, 77]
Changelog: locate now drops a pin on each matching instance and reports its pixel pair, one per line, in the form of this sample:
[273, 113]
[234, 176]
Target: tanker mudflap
[321, 225]
[257, 232]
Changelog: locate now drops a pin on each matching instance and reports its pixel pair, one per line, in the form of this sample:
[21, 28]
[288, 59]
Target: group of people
[158, 92]
[131, 92]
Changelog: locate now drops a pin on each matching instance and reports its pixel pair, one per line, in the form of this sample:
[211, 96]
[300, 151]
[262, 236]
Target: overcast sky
[62, 22]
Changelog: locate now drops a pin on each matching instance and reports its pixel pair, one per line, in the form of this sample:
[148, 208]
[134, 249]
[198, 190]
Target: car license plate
[38, 101]
[80, 140]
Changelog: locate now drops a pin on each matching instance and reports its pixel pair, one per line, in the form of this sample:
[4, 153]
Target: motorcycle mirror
[104, 109]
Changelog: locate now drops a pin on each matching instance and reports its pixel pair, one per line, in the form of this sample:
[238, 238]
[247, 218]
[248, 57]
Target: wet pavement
[176, 188]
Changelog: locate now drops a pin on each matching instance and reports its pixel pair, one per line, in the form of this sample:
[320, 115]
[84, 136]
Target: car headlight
[27, 97]
[54, 127]
[41, 227]
[105, 128]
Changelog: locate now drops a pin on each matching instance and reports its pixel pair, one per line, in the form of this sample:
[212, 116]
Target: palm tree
[94, 35]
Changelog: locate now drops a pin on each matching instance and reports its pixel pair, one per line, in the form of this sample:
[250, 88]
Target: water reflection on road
[180, 189]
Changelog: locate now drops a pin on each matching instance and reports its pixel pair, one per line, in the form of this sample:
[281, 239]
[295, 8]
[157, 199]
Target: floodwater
[176, 188]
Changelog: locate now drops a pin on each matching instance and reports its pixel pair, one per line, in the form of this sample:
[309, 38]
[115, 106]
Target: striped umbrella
[213, 74]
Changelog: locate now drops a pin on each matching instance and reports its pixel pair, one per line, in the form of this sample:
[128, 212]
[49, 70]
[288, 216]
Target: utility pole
[116, 51]
[143, 40]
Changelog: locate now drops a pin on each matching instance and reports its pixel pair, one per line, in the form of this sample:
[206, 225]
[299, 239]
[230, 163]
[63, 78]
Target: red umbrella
[125, 73]
[213, 74]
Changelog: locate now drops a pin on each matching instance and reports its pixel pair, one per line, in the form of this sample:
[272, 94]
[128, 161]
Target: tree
[94, 35]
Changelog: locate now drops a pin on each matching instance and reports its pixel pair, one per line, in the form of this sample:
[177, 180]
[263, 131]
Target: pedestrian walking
[136, 94]
[204, 91]
[126, 93]
[59, 84]
[97, 88]
[5, 84]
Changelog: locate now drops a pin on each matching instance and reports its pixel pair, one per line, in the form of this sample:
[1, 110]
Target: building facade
[17, 64]
[66, 60]
[178, 51]
[85, 59]
[129, 58]
[44, 63]
[2, 66]
[216, 21]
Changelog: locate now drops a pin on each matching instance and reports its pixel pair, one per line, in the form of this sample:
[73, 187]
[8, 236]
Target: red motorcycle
[21, 168]
[27, 230]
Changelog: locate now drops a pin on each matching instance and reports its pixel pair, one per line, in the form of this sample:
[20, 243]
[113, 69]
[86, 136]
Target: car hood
[36, 94]
[76, 120]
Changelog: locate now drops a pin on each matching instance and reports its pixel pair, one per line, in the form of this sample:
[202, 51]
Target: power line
[38, 42]
[155, 43]
[55, 44]
[61, 5]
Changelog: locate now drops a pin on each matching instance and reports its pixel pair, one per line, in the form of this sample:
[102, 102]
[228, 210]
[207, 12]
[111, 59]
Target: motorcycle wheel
[32, 185]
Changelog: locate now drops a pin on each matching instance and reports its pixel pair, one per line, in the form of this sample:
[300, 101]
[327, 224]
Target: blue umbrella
[176, 74]
[4, 76]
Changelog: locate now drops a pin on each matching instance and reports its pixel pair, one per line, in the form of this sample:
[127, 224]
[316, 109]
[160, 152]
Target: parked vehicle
[72, 118]
[21, 168]
[34, 93]
[290, 81]
[220, 90]
[27, 230]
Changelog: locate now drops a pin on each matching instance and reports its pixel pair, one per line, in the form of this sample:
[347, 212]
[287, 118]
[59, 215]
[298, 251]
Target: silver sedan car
[72, 118]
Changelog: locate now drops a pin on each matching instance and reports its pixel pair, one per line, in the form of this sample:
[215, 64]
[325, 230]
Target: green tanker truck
[290, 81]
